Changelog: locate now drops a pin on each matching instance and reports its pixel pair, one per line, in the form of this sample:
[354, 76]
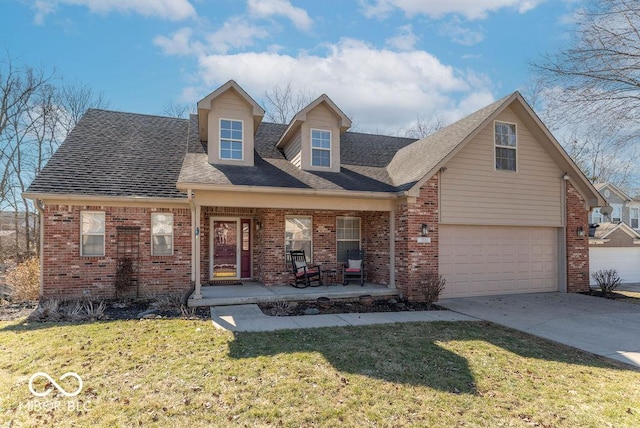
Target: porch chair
[304, 274]
[353, 267]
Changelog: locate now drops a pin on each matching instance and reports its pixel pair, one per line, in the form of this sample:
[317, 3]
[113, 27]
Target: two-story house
[615, 242]
[225, 195]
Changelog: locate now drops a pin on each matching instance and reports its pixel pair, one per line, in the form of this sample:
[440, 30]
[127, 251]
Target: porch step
[258, 293]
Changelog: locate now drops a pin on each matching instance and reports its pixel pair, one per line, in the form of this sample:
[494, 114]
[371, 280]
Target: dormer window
[231, 139]
[320, 148]
[505, 146]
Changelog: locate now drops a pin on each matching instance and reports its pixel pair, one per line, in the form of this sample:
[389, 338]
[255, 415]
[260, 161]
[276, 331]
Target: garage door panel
[497, 260]
[626, 260]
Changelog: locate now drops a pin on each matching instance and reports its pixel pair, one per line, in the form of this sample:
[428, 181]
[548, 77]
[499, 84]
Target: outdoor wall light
[566, 176]
[258, 226]
[424, 229]
[580, 231]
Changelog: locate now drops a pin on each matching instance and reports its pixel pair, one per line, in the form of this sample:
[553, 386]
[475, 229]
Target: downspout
[193, 234]
[392, 248]
[40, 206]
[195, 246]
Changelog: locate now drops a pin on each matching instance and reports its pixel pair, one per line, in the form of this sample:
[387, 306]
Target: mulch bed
[343, 307]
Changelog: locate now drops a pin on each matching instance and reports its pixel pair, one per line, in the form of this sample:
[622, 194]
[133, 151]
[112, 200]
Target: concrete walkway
[251, 318]
[593, 324]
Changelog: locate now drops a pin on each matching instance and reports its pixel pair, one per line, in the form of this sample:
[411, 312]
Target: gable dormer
[228, 119]
[312, 139]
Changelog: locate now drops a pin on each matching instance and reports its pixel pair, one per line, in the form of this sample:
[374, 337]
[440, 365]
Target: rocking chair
[353, 267]
[304, 274]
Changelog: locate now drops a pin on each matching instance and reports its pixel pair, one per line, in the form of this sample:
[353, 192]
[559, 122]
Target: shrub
[24, 280]
[607, 279]
[431, 286]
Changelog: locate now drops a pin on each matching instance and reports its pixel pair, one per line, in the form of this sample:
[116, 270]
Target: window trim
[637, 217]
[613, 212]
[495, 146]
[242, 142]
[338, 218]
[103, 234]
[153, 235]
[328, 131]
[594, 213]
[287, 217]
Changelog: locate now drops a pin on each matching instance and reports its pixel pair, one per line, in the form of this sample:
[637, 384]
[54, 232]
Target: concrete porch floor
[255, 292]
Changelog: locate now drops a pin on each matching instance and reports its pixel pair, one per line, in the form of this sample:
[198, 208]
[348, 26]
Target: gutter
[71, 197]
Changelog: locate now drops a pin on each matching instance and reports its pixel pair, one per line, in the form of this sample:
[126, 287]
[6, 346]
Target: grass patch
[186, 373]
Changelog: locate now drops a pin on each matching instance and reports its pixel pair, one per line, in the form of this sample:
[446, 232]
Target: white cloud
[235, 33]
[460, 34]
[471, 9]
[173, 10]
[269, 8]
[384, 90]
[179, 43]
[405, 40]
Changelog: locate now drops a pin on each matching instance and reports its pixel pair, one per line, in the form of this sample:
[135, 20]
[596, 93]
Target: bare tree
[177, 110]
[73, 99]
[424, 127]
[282, 102]
[593, 89]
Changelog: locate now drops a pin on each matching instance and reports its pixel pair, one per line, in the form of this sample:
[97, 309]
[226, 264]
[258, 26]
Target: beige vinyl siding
[322, 118]
[474, 192]
[292, 150]
[230, 105]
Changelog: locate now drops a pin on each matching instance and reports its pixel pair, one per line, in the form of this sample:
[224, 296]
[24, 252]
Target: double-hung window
[298, 235]
[596, 216]
[231, 139]
[616, 215]
[320, 148]
[161, 234]
[634, 215]
[92, 233]
[505, 146]
[348, 236]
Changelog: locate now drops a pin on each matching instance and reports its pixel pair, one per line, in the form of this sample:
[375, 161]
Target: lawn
[187, 373]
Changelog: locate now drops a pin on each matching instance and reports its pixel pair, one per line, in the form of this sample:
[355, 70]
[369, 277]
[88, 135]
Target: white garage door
[484, 260]
[626, 260]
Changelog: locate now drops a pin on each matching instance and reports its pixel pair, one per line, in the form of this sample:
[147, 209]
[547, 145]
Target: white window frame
[83, 234]
[496, 145]
[324, 149]
[338, 239]
[618, 208]
[153, 235]
[232, 140]
[636, 218]
[596, 213]
[310, 240]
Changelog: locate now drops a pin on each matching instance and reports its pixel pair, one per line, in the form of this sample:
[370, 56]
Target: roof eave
[101, 198]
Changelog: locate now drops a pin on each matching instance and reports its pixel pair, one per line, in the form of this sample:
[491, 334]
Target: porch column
[196, 256]
[392, 249]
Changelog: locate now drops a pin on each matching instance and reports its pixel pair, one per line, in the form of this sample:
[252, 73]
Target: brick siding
[577, 247]
[66, 274]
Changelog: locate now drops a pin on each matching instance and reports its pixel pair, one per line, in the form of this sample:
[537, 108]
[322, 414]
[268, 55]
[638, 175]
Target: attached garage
[485, 260]
[626, 260]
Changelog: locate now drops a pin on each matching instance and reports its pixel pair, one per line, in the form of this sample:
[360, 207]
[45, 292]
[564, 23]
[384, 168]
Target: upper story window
[231, 139]
[596, 216]
[161, 234]
[320, 148]
[505, 146]
[616, 215]
[634, 215]
[92, 233]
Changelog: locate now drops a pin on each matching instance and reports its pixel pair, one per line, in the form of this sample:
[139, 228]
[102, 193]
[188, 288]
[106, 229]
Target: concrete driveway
[600, 326]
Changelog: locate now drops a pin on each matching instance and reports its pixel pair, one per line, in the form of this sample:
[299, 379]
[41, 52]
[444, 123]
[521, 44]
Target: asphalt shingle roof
[118, 154]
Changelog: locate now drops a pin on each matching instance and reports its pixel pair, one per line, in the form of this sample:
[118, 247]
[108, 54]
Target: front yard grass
[186, 373]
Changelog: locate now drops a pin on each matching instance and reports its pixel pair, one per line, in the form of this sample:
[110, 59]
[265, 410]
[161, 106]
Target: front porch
[256, 292]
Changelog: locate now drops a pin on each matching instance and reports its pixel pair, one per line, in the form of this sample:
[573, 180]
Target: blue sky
[384, 62]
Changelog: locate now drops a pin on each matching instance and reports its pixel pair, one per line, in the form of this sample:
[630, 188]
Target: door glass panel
[245, 236]
[225, 249]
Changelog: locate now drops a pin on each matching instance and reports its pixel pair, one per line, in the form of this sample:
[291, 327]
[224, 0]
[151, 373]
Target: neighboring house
[615, 243]
[625, 208]
[491, 202]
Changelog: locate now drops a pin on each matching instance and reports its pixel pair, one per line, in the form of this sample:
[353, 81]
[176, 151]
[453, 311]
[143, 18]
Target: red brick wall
[68, 275]
[269, 246]
[412, 258]
[577, 247]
